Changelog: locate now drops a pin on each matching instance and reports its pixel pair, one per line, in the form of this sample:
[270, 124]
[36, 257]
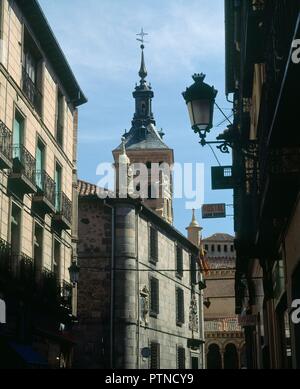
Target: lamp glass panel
[201, 112]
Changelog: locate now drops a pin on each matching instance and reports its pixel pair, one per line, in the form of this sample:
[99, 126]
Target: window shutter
[179, 306]
[154, 294]
[155, 356]
[179, 261]
[181, 358]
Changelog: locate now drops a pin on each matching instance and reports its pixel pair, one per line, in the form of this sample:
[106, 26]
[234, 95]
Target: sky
[98, 38]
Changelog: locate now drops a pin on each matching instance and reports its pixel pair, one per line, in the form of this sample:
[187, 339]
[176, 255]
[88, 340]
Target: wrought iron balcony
[50, 291]
[5, 147]
[31, 91]
[44, 199]
[25, 269]
[22, 178]
[5, 258]
[63, 216]
[66, 295]
[16, 270]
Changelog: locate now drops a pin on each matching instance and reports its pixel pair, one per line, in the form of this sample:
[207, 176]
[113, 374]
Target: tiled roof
[144, 140]
[86, 189]
[219, 237]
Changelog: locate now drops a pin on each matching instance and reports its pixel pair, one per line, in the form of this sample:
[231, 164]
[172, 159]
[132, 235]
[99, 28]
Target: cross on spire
[142, 34]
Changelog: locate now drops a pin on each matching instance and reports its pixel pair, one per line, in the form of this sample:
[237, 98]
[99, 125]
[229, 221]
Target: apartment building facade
[39, 96]
[262, 73]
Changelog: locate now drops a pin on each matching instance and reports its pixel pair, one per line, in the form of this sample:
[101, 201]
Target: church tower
[144, 144]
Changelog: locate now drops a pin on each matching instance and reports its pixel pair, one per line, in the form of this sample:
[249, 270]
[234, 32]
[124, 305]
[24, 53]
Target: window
[195, 362]
[15, 229]
[154, 297]
[57, 260]
[206, 247]
[153, 245]
[212, 248]
[18, 135]
[193, 271]
[39, 163]
[32, 72]
[219, 248]
[59, 117]
[179, 262]
[58, 177]
[225, 248]
[180, 358]
[155, 356]
[179, 306]
[38, 247]
[232, 248]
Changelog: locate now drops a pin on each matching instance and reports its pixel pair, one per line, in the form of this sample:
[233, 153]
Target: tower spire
[143, 71]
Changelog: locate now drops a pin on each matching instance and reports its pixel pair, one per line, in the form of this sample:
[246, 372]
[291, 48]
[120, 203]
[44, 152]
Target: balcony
[22, 178]
[16, 270]
[222, 325]
[62, 219]
[32, 92]
[66, 296]
[44, 199]
[5, 147]
[50, 291]
[5, 258]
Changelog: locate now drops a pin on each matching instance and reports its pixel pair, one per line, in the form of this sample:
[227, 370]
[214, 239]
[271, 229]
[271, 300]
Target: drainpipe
[138, 291]
[112, 267]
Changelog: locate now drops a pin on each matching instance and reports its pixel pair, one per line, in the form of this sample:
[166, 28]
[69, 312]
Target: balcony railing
[24, 163]
[45, 186]
[66, 295]
[16, 266]
[5, 258]
[222, 325]
[5, 143]
[31, 91]
[50, 287]
[63, 206]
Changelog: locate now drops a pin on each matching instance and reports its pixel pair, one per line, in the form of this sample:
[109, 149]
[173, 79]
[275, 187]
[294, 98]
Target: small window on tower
[143, 107]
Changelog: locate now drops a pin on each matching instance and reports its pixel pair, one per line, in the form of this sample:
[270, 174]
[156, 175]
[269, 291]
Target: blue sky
[185, 37]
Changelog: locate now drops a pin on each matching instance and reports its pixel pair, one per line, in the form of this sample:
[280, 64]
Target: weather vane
[142, 34]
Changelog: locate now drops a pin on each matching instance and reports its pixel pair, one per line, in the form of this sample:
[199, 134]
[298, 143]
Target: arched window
[231, 360]
[214, 360]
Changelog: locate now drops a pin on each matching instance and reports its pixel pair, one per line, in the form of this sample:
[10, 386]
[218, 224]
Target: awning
[28, 355]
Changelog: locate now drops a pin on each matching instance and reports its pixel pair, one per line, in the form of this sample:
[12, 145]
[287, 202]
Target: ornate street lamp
[74, 273]
[200, 100]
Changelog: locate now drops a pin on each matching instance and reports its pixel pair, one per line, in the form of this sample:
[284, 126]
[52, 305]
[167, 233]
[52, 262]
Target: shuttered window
[155, 356]
[179, 306]
[181, 358]
[179, 262]
[154, 296]
[153, 245]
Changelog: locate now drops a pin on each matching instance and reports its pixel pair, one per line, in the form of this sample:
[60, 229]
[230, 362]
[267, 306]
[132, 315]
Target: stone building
[39, 97]
[139, 296]
[262, 75]
[224, 338]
